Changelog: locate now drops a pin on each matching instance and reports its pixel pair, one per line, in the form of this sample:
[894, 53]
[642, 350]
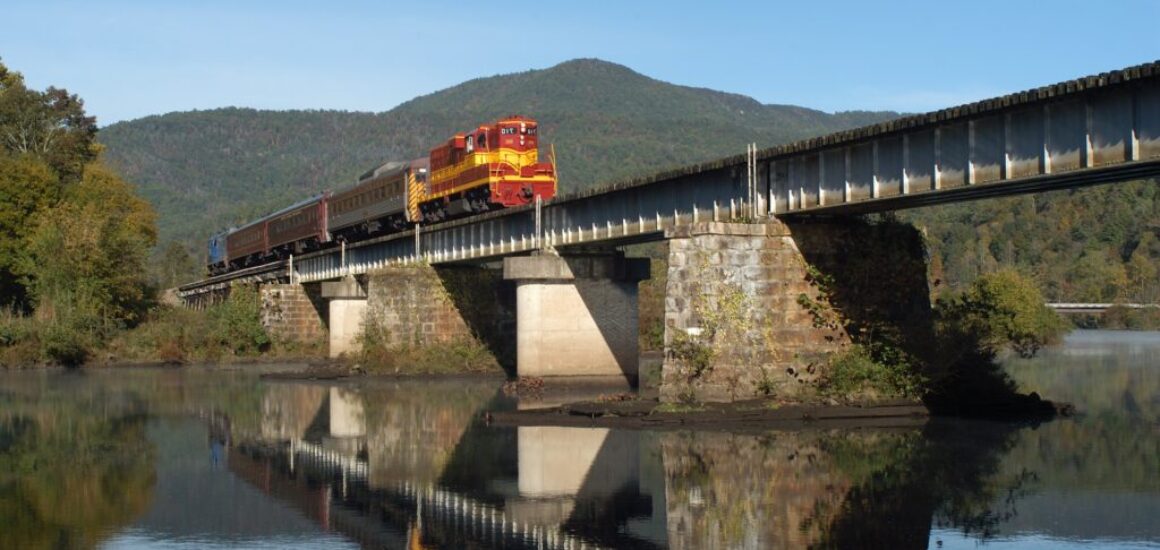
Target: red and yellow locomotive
[495, 165]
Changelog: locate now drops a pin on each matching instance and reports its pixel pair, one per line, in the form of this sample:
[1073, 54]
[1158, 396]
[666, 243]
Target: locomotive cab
[519, 136]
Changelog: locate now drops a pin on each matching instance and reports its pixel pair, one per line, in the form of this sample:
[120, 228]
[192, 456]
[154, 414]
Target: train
[496, 165]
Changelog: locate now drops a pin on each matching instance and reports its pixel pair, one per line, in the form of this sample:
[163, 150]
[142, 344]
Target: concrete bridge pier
[576, 315]
[347, 310]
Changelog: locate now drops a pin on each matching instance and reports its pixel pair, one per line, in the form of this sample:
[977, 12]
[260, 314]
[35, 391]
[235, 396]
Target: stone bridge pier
[330, 313]
[756, 310]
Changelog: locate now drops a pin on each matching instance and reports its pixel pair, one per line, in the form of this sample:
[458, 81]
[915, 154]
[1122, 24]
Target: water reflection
[422, 457]
[68, 477]
[189, 458]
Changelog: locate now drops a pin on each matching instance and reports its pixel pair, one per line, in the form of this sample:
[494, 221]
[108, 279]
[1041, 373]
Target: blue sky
[133, 58]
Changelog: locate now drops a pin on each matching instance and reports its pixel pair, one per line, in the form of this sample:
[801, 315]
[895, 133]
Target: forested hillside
[606, 122]
[207, 169]
[1099, 244]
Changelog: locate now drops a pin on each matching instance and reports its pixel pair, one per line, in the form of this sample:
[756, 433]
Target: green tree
[50, 125]
[1000, 309]
[175, 266]
[238, 322]
[1098, 276]
[90, 250]
[27, 187]
[1142, 273]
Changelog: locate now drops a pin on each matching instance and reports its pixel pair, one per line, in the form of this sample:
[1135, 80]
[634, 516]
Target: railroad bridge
[748, 237]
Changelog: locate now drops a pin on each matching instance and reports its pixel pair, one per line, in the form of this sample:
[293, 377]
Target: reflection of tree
[740, 490]
[69, 484]
[839, 488]
[950, 476]
[1102, 452]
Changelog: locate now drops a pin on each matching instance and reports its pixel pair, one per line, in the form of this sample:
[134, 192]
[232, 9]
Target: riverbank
[594, 403]
[623, 411]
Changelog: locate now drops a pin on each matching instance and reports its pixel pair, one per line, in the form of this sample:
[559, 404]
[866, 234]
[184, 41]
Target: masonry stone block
[772, 342]
[423, 305]
[293, 313]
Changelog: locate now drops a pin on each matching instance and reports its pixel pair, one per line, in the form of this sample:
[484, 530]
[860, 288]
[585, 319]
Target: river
[219, 458]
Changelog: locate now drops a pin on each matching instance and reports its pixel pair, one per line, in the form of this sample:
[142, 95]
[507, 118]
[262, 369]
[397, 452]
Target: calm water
[196, 458]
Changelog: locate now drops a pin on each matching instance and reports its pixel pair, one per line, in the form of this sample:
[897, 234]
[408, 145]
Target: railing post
[539, 221]
[418, 244]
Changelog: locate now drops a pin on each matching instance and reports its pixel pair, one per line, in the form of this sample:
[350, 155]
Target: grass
[670, 408]
[464, 355]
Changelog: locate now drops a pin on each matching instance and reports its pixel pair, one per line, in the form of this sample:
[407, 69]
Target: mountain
[605, 121]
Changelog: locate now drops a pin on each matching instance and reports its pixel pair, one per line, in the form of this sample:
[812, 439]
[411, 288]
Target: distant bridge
[1065, 307]
[1098, 129]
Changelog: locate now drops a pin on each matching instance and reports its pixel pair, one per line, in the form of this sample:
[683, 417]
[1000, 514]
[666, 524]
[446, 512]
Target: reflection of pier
[454, 516]
[393, 469]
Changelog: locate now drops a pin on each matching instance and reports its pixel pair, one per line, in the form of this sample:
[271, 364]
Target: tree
[175, 266]
[49, 125]
[90, 250]
[27, 187]
[1000, 309]
[1142, 273]
[1098, 276]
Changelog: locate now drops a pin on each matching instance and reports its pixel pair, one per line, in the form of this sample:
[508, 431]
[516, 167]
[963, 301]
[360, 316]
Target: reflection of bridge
[412, 464]
[450, 511]
[548, 487]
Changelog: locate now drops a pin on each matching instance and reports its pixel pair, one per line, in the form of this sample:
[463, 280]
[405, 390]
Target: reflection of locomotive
[493, 166]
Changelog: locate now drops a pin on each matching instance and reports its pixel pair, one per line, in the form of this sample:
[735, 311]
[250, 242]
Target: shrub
[382, 353]
[1001, 309]
[858, 371]
[1121, 317]
[237, 322]
[19, 340]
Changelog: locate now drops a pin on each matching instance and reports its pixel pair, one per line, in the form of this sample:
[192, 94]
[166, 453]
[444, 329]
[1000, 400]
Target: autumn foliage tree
[74, 236]
[28, 186]
[91, 247]
[51, 126]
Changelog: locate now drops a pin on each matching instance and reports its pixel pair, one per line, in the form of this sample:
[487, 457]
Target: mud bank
[649, 414]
